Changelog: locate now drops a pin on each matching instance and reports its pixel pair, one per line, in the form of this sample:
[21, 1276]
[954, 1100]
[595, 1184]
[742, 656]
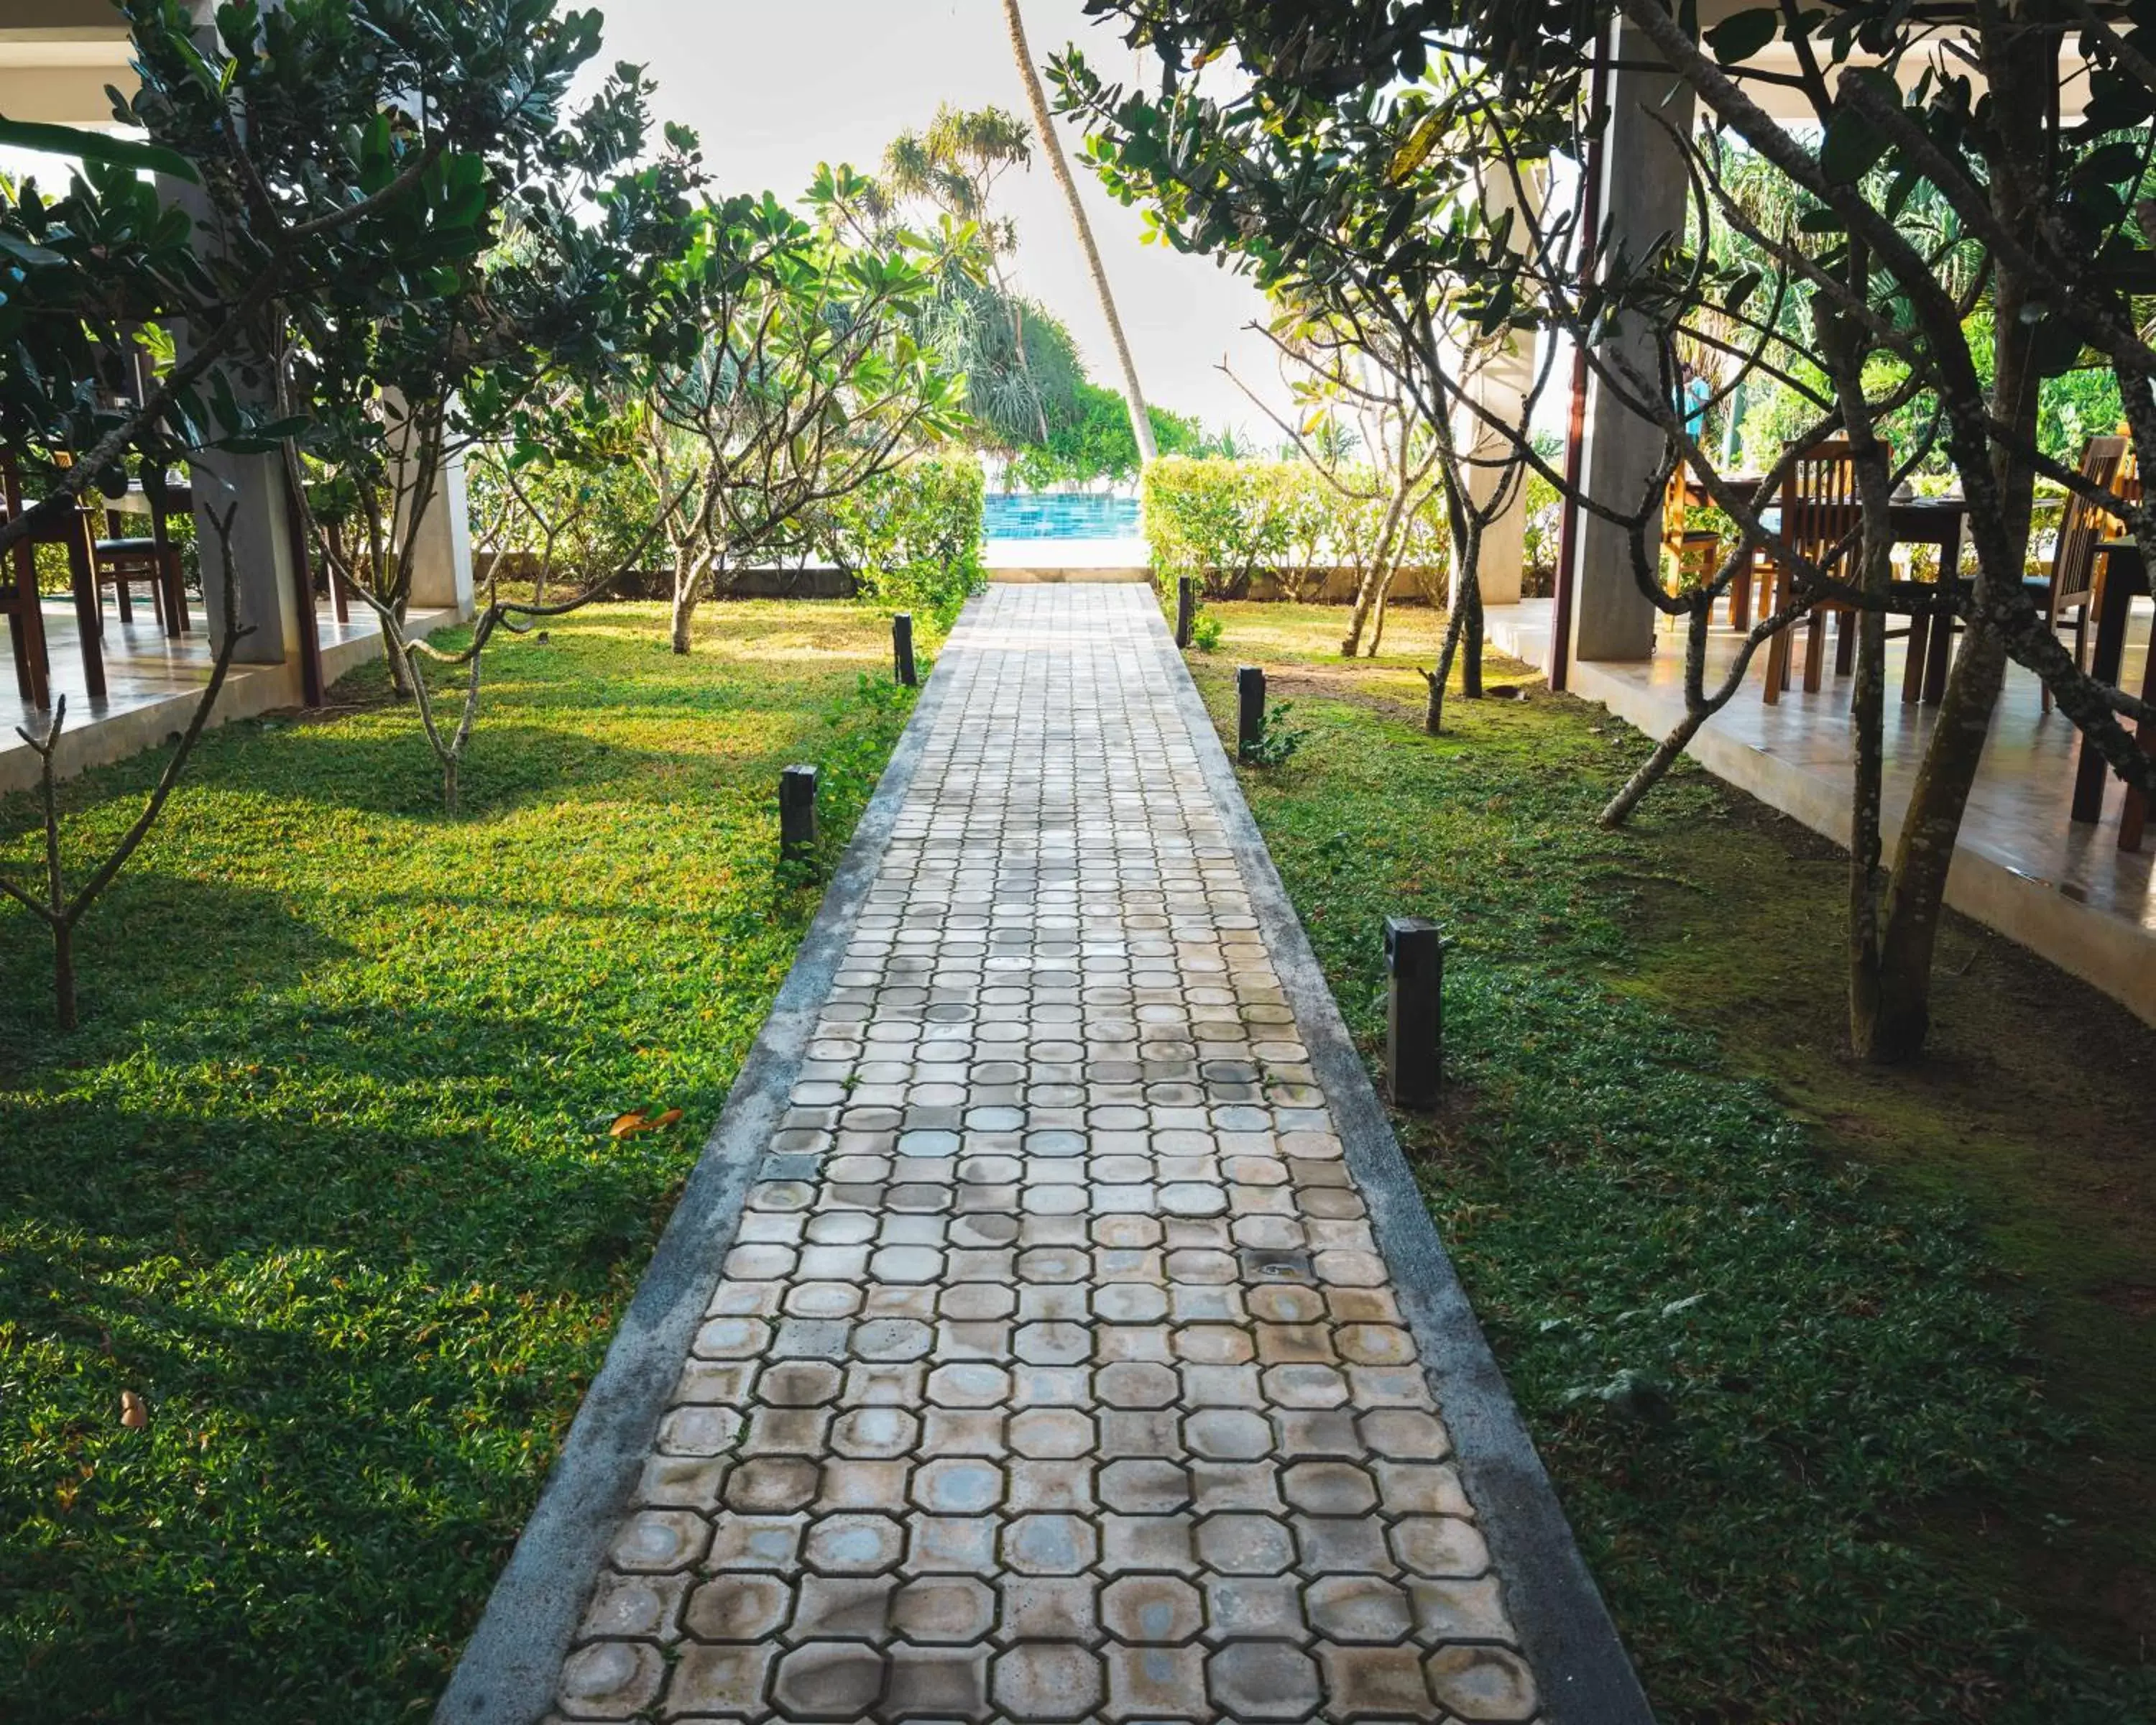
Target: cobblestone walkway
[1054, 1374]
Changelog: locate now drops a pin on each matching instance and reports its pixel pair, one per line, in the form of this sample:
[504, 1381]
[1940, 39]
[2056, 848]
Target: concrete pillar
[441, 553]
[1497, 379]
[1642, 191]
[1499, 389]
[261, 537]
[261, 555]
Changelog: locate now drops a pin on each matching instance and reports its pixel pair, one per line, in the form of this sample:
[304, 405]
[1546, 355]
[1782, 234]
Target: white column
[1643, 193]
[1499, 389]
[441, 552]
[253, 487]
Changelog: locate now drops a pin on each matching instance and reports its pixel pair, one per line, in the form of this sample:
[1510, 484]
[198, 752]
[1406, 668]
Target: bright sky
[776, 86]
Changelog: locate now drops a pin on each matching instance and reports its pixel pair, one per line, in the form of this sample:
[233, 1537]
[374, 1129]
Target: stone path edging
[1564, 1626]
[508, 1671]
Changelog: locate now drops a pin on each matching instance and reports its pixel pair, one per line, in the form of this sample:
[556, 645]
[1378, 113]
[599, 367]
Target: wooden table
[2122, 577]
[1938, 522]
[1912, 520]
[180, 497]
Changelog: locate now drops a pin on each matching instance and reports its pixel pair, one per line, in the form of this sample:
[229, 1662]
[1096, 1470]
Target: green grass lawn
[324, 1177]
[1846, 1378]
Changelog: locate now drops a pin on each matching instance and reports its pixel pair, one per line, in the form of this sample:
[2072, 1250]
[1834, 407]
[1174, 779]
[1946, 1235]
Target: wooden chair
[70, 529]
[2069, 584]
[1690, 556]
[124, 559]
[25, 613]
[1819, 510]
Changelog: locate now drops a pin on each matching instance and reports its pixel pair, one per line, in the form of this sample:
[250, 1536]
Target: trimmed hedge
[1229, 523]
[911, 537]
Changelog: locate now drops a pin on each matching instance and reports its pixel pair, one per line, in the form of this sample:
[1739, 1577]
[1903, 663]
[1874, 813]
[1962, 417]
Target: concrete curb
[1565, 1629]
[508, 1668]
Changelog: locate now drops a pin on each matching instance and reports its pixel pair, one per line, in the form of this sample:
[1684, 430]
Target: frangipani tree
[808, 378]
[1319, 164]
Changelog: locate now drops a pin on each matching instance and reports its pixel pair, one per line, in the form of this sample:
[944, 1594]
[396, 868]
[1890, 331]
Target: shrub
[911, 537]
[1225, 523]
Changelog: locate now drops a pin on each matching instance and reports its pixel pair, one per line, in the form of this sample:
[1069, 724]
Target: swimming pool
[1022, 515]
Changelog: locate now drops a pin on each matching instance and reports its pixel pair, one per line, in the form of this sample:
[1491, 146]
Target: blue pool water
[1020, 514]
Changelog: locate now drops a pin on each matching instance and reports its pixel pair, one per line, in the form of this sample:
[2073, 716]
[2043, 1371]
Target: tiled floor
[151, 683]
[1054, 1374]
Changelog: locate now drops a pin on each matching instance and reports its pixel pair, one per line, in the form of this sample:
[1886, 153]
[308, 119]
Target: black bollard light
[797, 813]
[902, 649]
[1186, 610]
[1414, 1011]
[1250, 708]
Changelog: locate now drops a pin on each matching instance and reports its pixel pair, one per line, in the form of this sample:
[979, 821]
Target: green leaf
[24, 253]
[1851, 148]
[1743, 34]
[96, 146]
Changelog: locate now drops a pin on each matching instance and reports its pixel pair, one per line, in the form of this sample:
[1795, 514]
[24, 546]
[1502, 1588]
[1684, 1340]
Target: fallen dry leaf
[632, 1121]
[133, 1411]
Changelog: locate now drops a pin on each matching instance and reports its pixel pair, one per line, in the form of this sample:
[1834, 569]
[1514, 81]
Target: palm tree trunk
[1141, 423]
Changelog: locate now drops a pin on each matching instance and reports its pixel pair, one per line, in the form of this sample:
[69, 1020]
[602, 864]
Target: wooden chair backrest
[2104, 462]
[1820, 504]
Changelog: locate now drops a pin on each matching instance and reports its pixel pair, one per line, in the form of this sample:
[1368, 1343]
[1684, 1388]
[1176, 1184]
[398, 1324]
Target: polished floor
[2022, 866]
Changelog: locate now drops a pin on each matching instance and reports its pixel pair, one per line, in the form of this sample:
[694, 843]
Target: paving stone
[1358, 1608]
[943, 1609]
[1454, 1610]
[834, 1608]
[1237, 1544]
[1152, 1609]
[1045, 1681]
[1373, 1683]
[719, 1681]
[1262, 1680]
[1053, 1372]
[610, 1680]
[1048, 1608]
[828, 1680]
[1268, 1607]
[1049, 1544]
[635, 1605]
[661, 1539]
[738, 1608]
[1482, 1683]
[1439, 1546]
[938, 1683]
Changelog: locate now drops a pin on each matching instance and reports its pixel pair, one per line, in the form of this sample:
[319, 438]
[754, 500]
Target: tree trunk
[1044, 124]
[1650, 771]
[688, 588]
[2020, 67]
[63, 1000]
[1376, 576]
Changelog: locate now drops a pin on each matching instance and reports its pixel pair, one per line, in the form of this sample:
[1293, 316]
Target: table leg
[2134, 820]
[1912, 667]
[89, 616]
[26, 631]
[2114, 595]
[168, 574]
[1938, 654]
